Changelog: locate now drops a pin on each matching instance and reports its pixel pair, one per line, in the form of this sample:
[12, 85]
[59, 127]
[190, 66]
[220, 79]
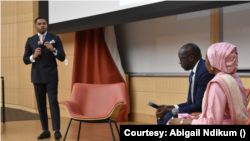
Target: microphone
[175, 112]
[150, 103]
[39, 43]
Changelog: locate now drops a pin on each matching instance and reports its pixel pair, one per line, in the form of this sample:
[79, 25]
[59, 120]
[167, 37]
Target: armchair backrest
[98, 99]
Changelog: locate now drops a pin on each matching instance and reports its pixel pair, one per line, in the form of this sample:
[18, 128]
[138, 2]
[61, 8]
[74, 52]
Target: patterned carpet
[17, 115]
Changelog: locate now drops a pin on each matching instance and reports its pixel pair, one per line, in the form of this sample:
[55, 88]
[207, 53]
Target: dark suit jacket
[44, 70]
[202, 77]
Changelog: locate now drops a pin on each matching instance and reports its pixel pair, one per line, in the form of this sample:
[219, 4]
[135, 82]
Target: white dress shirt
[44, 35]
[192, 84]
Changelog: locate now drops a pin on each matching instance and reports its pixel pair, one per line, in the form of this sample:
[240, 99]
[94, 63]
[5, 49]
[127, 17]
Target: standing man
[42, 50]
[190, 59]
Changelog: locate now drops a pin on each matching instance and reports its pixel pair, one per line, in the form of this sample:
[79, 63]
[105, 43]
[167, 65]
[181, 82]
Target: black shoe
[44, 135]
[57, 135]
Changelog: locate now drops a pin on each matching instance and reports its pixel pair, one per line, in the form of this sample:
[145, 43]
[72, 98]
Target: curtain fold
[93, 63]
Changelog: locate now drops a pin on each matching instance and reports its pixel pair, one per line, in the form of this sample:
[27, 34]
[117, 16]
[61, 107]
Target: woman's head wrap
[223, 56]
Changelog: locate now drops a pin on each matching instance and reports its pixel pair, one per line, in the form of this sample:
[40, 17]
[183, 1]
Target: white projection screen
[150, 32]
[236, 30]
[70, 10]
[151, 46]
[71, 16]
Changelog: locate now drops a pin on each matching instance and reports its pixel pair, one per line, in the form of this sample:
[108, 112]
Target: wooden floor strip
[29, 130]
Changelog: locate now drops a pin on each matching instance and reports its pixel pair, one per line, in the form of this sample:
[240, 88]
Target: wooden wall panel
[65, 73]
[0, 88]
[25, 30]
[144, 118]
[9, 38]
[1, 39]
[139, 101]
[24, 75]
[68, 40]
[3, 65]
[9, 70]
[214, 26]
[1, 12]
[160, 90]
[12, 96]
[24, 11]
[35, 11]
[8, 12]
[17, 25]
[246, 82]
[27, 98]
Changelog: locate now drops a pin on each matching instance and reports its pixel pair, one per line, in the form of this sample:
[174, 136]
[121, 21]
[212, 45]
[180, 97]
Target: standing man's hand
[162, 110]
[38, 52]
[49, 46]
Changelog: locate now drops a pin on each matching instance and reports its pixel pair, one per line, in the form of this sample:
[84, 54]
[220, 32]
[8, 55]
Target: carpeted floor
[17, 115]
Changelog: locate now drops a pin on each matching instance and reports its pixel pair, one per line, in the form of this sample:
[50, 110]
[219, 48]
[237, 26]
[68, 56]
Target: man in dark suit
[190, 59]
[44, 73]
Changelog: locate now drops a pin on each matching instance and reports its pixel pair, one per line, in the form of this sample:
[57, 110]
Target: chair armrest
[195, 114]
[72, 108]
[116, 109]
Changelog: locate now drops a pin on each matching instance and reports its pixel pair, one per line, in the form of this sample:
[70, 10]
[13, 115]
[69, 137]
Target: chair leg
[79, 131]
[117, 128]
[67, 130]
[111, 129]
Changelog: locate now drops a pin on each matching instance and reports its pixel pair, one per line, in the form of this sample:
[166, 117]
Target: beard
[186, 68]
[43, 31]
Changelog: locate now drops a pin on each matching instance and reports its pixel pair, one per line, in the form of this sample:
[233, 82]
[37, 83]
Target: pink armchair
[95, 103]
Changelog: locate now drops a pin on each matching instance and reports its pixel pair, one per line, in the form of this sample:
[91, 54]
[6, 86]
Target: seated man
[190, 59]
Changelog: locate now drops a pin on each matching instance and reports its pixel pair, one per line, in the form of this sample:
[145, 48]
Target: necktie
[190, 85]
[41, 38]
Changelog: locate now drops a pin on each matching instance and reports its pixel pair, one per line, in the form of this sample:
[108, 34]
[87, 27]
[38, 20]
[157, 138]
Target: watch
[54, 50]
[182, 121]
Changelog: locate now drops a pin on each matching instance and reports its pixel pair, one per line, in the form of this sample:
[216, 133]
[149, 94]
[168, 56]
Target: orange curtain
[93, 63]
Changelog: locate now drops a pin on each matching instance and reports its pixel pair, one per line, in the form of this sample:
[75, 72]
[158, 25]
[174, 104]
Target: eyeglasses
[185, 57]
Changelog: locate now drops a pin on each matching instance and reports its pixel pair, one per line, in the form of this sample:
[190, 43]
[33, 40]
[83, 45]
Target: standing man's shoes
[57, 135]
[44, 135]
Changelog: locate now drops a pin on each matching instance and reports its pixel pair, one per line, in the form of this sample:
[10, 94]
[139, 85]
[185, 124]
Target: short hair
[194, 49]
[40, 18]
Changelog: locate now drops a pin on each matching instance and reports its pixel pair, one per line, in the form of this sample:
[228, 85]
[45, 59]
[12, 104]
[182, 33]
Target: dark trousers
[166, 118]
[51, 89]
